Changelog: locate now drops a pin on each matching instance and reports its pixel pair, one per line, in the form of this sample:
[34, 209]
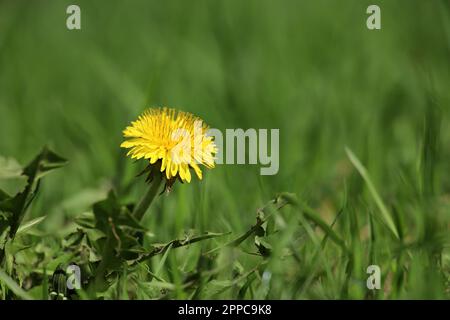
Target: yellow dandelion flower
[172, 141]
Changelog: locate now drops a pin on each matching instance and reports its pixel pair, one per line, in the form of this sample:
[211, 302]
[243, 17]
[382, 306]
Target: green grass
[309, 68]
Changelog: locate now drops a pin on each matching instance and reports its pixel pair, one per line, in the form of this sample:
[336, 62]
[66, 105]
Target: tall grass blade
[373, 191]
[13, 286]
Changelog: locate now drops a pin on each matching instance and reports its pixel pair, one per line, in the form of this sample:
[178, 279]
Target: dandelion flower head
[173, 142]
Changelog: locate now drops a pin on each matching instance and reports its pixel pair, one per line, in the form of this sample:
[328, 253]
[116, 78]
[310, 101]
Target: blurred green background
[310, 68]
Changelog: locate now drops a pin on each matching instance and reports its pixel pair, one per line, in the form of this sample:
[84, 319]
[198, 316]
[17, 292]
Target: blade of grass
[28, 225]
[163, 260]
[13, 286]
[311, 215]
[373, 191]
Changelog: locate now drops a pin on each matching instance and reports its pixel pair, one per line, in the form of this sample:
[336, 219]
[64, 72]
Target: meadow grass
[364, 143]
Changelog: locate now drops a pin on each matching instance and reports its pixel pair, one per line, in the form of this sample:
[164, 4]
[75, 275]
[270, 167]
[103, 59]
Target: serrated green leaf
[42, 164]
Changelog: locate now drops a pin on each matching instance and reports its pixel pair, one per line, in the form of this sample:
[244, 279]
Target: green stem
[145, 202]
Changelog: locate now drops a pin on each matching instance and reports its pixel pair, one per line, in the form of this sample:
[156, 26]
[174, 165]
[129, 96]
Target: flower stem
[145, 202]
